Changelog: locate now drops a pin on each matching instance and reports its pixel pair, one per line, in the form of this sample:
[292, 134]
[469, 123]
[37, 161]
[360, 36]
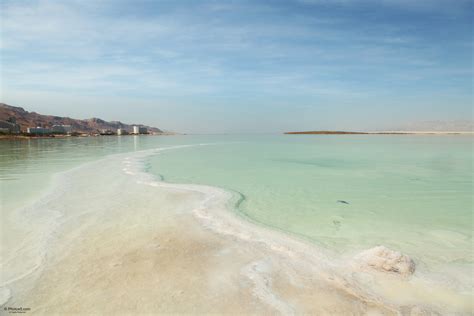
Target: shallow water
[342, 193]
[347, 193]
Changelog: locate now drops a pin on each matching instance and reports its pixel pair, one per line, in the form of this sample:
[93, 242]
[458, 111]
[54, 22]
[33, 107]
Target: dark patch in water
[240, 200]
[342, 201]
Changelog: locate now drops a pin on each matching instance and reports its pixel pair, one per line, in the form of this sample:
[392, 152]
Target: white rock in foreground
[386, 260]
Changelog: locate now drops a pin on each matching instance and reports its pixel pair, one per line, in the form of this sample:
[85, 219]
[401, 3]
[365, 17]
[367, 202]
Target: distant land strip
[380, 133]
[326, 132]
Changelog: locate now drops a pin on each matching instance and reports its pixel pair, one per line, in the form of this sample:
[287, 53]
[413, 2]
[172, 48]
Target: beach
[111, 236]
[168, 259]
[300, 157]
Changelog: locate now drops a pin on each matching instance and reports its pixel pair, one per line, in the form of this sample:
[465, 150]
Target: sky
[240, 66]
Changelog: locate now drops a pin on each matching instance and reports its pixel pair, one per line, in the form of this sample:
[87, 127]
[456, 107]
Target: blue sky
[241, 66]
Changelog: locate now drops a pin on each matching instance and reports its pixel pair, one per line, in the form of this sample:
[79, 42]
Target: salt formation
[386, 260]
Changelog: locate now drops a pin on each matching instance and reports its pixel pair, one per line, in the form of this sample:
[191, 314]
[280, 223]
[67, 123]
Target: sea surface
[342, 193]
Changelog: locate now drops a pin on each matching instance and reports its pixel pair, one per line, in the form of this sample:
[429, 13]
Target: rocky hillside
[32, 119]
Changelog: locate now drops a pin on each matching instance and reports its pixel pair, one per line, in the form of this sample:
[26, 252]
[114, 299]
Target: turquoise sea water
[346, 193]
[412, 193]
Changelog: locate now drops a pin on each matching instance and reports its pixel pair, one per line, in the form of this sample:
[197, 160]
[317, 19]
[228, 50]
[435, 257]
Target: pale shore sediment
[141, 246]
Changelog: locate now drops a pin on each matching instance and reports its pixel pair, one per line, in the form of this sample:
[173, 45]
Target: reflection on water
[26, 165]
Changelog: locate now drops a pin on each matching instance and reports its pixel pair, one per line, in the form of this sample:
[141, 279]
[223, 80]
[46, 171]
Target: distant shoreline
[25, 137]
[381, 133]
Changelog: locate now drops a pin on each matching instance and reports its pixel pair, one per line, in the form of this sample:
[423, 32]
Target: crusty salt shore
[140, 246]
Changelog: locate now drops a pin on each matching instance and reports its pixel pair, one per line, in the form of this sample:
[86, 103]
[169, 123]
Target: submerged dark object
[342, 201]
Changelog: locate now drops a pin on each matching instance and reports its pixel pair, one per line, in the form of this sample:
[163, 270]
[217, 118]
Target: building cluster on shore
[10, 127]
[136, 130]
[55, 129]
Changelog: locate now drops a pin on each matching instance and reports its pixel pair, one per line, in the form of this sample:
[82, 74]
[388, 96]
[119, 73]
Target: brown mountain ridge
[32, 119]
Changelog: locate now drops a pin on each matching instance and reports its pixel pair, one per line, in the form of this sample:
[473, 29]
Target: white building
[61, 129]
[121, 131]
[140, 130]
[38, 130]
[106, 131]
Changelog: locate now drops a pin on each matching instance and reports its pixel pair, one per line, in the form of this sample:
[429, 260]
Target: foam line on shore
[341, 272]
[212, 214]
[289, 252]
[41, 226]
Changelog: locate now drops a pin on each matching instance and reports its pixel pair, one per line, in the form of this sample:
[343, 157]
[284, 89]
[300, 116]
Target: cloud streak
[199, 54]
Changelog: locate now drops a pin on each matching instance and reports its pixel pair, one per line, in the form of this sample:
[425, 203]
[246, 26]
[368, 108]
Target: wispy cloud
[234, 53]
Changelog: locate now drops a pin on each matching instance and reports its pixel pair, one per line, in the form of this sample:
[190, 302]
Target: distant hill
[32, 119]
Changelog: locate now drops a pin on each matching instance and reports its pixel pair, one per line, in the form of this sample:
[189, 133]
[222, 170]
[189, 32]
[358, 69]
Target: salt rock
[386, 260]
